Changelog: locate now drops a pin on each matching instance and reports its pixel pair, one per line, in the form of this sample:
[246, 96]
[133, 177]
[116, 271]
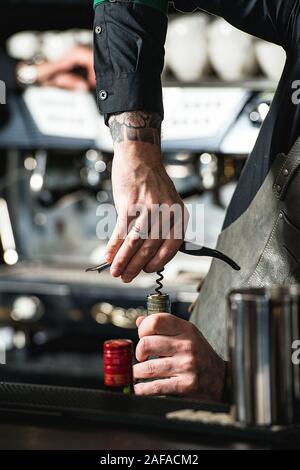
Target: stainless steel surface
[262, 326]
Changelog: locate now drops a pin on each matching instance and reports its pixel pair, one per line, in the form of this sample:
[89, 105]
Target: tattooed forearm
[136, 126]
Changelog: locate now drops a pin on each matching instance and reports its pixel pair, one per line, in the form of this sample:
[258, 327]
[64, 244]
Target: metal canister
[263, 325]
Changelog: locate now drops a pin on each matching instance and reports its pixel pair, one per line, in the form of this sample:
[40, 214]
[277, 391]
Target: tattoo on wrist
[136, 126]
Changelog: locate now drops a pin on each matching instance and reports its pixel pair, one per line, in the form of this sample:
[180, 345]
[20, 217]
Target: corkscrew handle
[187, 248]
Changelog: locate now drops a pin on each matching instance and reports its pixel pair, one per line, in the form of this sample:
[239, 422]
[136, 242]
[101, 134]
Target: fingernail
[126, 279]
[115, 273]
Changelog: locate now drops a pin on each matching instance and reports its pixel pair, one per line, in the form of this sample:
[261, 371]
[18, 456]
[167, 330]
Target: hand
[186, 363]
[140, 180]
[60, 73]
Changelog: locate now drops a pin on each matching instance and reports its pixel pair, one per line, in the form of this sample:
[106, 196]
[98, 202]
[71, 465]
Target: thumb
[139, 321]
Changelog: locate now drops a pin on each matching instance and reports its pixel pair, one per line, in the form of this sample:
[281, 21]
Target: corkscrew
[104, 266]
[159, 301]
[158, 281]
[187, 248]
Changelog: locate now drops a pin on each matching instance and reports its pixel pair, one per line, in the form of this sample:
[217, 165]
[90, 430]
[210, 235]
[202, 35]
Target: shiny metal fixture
[263, 328]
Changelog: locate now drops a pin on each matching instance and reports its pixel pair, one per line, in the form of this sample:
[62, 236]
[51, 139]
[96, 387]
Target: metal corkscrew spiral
[159, 281]
[159, 301]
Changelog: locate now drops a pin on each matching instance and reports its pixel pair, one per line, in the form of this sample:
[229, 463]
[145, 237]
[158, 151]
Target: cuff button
[103, 95]
[98, 30]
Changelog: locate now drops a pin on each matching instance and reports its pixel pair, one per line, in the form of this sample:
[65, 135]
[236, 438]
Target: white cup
[271, 59]
[231, 51]
[24, 45]
[186, 47]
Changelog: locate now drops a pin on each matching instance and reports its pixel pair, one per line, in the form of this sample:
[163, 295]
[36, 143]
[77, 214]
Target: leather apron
[264, 241]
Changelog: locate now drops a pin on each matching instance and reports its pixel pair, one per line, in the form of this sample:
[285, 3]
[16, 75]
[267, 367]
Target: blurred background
[55, 163]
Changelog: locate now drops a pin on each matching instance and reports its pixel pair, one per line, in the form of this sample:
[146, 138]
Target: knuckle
[144, 346]
[191, 384]
[147, 252]
[150, 369]
[166, 253]
[132, 240]
[190, 364]
[168, 366]
[156, 388]
[179, 387]
[187, 347]
[142, 225]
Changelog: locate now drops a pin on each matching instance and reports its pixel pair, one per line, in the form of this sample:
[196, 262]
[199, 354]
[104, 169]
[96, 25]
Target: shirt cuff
[129, 55]
[136, 93]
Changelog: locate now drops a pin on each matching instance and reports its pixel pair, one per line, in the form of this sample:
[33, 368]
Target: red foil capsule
[117, 354]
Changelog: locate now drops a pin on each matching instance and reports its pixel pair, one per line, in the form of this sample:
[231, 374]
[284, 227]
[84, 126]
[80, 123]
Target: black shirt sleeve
[129, 56]
[129, 42]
